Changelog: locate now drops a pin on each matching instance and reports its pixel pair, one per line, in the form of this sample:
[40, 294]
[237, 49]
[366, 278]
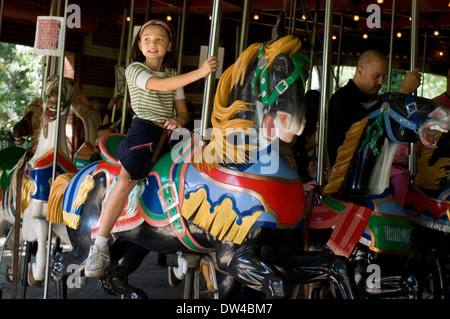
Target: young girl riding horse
[154, 93]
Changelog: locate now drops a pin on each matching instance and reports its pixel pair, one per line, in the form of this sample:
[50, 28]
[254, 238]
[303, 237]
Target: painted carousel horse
[428, 206]
[28, 126]
[30, 183]
[84, 107]
[369, 227]
[226, 198]
[88, 111]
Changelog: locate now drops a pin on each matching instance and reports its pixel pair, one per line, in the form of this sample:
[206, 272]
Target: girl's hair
[136, 54]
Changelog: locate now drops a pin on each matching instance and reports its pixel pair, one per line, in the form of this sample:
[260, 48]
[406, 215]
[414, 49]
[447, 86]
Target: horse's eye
[279, 66]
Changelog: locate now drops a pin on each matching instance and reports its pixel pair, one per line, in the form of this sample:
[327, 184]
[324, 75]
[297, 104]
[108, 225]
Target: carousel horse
[428, 206]
[241, 201]
[88, 111]
[369, 227]
[84, 107]
[29, 125]
[29, 185]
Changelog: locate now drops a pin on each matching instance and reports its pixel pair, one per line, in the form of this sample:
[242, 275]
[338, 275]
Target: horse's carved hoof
[31, 281]
[9, 274]
[173, 280]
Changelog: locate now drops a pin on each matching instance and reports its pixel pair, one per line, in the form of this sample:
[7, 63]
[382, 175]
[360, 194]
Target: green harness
[298, 59]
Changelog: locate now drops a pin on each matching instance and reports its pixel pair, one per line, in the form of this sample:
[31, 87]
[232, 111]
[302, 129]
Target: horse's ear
[106, 120]
[278, 30]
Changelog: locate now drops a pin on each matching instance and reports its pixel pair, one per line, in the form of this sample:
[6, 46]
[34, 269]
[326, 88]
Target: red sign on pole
[48, 39]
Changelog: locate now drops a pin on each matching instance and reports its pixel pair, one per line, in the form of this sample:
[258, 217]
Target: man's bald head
[369, 56]
[371, 68]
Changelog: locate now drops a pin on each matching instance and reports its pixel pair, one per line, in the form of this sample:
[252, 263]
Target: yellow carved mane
[428, 176]
[344, 156]
[222, 116]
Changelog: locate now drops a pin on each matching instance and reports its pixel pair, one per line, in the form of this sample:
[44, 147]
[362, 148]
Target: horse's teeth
[438, 128]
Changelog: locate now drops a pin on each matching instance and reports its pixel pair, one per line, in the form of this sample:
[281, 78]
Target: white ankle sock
[101, 241]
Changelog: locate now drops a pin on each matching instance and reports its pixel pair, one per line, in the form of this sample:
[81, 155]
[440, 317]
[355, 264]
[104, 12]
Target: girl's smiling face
[154, 42]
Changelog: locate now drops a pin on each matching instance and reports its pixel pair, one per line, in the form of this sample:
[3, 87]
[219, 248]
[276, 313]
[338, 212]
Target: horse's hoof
[9, 274]
[173, 280]
[31, 281]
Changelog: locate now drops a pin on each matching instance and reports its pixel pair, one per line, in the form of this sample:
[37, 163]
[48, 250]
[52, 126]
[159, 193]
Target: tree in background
[20, 81]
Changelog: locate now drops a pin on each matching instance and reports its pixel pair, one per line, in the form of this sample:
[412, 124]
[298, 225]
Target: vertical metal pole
[414, 33]
[414, 63]
[148, 9]
[47, 60]
[326, 65]
[341, 32]
[236, 51]
[181, 38]
[122, 37]
[55, 150]
[210, 80]
[313, 45]
[391, 46]
[244, 26]
[129, 44]
[425, 37]
[293, 17]
[291, 28]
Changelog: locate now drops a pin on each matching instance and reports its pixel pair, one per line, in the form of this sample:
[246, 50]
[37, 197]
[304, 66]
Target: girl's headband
[157, 22]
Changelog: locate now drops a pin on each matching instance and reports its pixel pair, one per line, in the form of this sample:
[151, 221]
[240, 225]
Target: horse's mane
[222, 115]
[428, 176]
[344, 157]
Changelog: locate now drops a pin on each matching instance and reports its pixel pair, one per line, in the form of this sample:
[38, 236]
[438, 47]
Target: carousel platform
[151, 276]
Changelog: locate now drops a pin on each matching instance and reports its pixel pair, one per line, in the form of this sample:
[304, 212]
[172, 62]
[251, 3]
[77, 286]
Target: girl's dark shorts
[135, 153]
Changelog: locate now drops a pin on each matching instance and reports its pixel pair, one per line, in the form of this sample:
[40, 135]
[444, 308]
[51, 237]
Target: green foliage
[20, 81]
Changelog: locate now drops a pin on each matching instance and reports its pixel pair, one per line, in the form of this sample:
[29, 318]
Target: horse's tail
[55, 200]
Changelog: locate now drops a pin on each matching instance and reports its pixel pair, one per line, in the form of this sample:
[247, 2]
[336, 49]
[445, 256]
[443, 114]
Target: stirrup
[168, 197]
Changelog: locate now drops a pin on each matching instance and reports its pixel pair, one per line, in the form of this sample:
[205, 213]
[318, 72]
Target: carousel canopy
[19, 20]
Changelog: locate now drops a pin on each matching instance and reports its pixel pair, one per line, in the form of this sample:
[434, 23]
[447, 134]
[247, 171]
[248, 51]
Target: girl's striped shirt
[150, 104]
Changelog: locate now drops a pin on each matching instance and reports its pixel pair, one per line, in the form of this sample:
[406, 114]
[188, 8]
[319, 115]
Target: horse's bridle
[298, 59]
[411, 123]
[385, 112]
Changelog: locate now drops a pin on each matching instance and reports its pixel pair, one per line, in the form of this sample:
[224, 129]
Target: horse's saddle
[223, 201]
[388, 232]
[429, 212]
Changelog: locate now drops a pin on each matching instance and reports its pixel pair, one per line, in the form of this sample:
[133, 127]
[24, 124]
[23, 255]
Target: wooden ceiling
[434, 15]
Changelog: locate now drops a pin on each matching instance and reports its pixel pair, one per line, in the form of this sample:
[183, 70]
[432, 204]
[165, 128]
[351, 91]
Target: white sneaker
[96, 262]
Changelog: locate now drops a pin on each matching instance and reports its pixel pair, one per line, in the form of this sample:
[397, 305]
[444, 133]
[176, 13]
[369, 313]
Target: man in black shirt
[350, 103]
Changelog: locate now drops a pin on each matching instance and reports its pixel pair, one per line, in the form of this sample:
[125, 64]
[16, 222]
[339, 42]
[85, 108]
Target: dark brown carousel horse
[428, 206]
[235, 197]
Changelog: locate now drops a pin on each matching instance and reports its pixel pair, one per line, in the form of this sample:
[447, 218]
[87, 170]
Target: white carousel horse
[37, 177]
[88, 111]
